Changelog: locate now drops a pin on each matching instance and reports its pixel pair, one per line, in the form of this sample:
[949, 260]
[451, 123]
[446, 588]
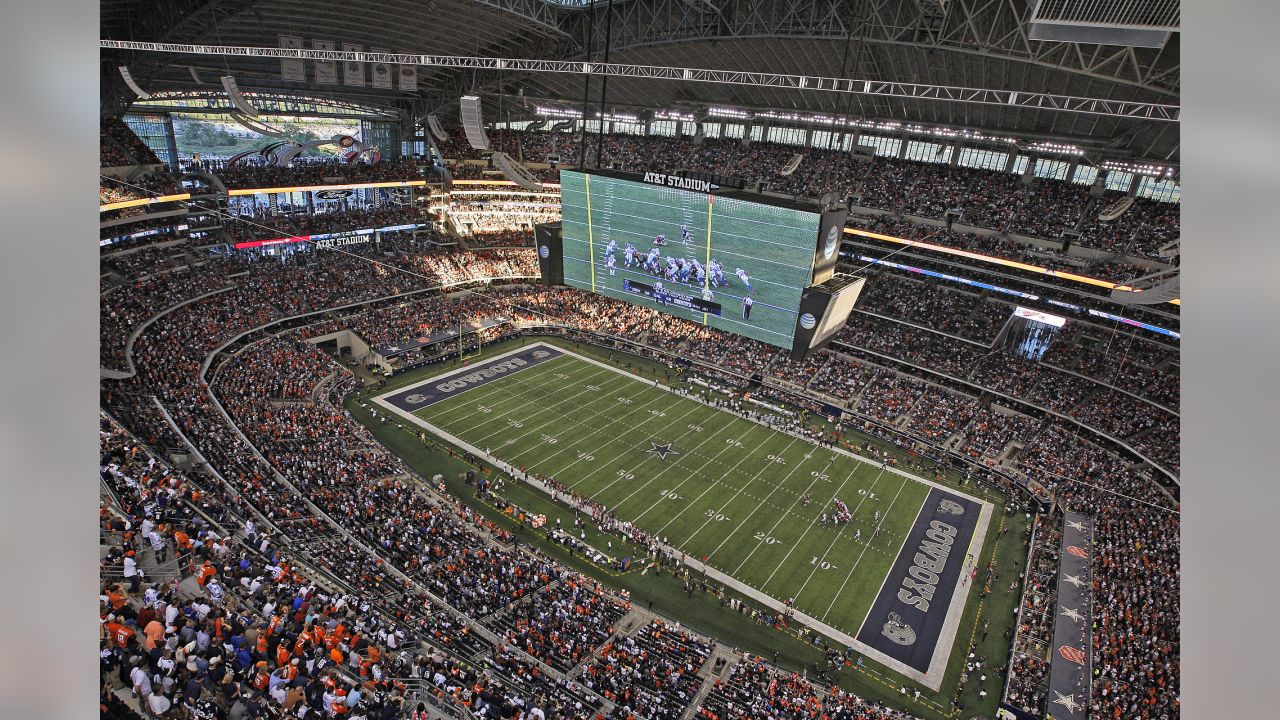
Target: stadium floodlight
[237, 99]
[128, 80]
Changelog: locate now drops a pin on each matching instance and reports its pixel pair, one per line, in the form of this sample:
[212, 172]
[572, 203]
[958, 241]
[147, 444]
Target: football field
[736, 497]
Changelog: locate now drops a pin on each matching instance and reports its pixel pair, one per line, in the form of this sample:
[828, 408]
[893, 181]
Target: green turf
[733, 494]
[702, 612]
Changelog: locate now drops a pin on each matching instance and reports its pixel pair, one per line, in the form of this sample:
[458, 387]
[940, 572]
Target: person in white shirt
[168, 668]
[141, 679]
[157, 545]
[131, 572]
[202, 609]
[215, 592]
[158, 704]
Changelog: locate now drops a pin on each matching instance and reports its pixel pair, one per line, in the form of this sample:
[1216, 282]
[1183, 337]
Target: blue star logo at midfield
[662, 451]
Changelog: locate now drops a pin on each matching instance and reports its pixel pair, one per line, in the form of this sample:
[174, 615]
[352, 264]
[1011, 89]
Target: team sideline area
[435, 385]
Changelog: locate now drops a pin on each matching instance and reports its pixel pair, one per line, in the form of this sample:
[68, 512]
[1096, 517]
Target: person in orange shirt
[117, 597]
[260, 676]
[282, 655]
[120, 634]
[206, 571]
[291, 670]
[340, 702]
[304, 639]
[154, 632]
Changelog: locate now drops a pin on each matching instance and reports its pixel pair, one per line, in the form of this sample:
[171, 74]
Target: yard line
[866, 547]
[532, 393]
[753, 512]
[735, 497]
[491, 390]
[710, 487]
[542, 410]
[858, 464]
[590, 416]
[674, 464]
[714, 483]
[782, 517]
[594, 433]
[461, 431]
[630, 448]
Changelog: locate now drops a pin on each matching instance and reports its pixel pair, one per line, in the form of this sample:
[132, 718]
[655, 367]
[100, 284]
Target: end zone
[912, 623]
[442, 387]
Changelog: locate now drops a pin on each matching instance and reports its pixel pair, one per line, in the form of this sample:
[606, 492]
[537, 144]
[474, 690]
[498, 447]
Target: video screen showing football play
[735, 265]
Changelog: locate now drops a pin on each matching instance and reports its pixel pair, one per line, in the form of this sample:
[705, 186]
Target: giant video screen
[734, 265]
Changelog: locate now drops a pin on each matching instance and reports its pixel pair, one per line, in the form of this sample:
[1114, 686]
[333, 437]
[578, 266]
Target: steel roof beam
[982, 96]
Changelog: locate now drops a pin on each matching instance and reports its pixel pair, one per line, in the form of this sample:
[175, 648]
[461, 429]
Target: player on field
[716, 273]
[651, 262]
[699, 273]
[742, 275]
[686, 269]
[612, 262]
[611, 247]
[685, 235]
[706, 294]
[660, 240]
[629, 252]
[672, 267]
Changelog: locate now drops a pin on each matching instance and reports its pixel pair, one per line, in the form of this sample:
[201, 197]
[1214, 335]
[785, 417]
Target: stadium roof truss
[267, 103]
[968, 63]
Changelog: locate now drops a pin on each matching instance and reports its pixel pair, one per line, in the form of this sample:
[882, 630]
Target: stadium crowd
[422, 572]
[147, 183]
[992, 199]
[119, 146]
[1028, 670]
[311, 171]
